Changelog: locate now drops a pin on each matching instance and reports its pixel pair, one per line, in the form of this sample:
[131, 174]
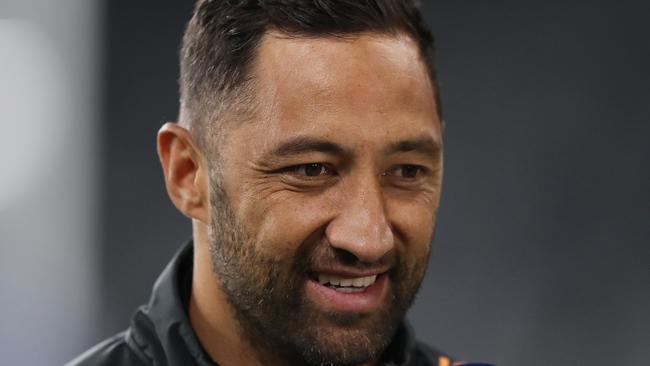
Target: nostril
[361, 235]
[345, 257]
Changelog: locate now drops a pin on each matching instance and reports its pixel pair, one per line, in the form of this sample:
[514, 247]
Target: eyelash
[420, 170]
[301, 170]
[296, 169]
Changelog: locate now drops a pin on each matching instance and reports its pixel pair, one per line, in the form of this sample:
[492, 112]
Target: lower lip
[364, 301]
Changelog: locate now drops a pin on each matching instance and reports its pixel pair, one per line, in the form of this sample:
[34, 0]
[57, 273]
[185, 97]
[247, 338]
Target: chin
[345, 339]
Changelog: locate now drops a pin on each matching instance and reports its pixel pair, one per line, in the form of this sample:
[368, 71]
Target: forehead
[353, 87]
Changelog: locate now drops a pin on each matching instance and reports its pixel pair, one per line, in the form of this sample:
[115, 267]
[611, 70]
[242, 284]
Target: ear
[185, 172]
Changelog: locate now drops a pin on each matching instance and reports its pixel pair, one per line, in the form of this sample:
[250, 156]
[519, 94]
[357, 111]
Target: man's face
[324, 206]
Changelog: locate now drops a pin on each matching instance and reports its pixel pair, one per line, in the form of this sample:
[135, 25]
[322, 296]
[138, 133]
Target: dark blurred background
[542, 254]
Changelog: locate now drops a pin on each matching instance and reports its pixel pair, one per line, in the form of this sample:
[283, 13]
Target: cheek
[414, 224]
[283, 221]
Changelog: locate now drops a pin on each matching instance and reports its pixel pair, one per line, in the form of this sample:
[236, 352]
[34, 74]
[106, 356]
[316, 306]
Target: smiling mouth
[342, 292]
[346, 285]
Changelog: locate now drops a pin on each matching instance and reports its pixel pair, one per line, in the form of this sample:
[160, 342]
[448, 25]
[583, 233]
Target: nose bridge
[361, 226]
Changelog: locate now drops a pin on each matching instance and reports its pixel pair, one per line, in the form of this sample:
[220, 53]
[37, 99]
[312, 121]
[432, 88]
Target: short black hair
[221, 40]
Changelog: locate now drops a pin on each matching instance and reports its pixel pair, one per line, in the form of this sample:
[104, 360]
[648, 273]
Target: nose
[361, 226]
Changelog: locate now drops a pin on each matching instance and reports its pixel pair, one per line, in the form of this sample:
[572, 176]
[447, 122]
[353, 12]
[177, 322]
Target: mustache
[324, 256]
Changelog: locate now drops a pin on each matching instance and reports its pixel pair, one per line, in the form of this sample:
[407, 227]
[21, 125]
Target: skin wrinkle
[268, 226]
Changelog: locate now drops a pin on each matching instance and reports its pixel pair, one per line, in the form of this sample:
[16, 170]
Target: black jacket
[160, 333]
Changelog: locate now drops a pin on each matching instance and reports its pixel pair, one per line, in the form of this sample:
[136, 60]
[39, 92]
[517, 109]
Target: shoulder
[114, 351]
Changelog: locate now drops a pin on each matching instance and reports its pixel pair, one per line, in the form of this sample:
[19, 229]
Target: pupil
[409, 171]
[312, 170]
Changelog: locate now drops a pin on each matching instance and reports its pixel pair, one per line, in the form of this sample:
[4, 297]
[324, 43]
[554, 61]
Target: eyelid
[422, 170]
[329, 171]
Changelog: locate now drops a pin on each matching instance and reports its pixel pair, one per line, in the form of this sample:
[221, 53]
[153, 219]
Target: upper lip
[351, 273]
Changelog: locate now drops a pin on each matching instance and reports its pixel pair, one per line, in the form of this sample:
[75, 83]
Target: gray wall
[543, 254]
[49, 58]
[543, 249]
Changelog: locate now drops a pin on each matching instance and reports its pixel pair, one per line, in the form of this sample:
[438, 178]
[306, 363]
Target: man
[308, 155]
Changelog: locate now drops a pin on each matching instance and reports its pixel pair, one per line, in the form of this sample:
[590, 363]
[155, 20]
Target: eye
[311, 170]
[407, 171]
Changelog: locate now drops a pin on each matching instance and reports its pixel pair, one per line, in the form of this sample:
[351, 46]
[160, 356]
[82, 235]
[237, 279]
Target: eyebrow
[424, 145]
[303, 144]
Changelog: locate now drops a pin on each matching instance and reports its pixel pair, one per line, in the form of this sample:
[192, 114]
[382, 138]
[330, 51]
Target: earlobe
[184, 170]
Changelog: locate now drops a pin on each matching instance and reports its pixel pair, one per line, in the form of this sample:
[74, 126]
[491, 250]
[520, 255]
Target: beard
[266, 291]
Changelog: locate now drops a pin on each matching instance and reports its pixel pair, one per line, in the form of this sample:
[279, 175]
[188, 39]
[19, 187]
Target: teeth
[323, 278]
[370, 280]
[335, 280]
[346, 282]
[359, 282]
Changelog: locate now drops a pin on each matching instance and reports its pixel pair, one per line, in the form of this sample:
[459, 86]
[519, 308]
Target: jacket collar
[162, 331]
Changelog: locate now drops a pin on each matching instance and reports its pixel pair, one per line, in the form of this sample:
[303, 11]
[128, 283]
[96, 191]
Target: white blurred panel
[48, 169]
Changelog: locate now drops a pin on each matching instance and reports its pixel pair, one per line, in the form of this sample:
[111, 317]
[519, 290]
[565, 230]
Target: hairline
[209, 128]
